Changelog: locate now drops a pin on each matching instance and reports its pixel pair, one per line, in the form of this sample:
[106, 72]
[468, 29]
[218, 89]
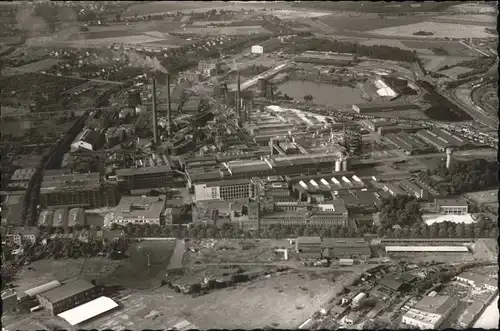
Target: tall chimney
[169, 108]
[238, 90]
[155, 115]
[449, 152]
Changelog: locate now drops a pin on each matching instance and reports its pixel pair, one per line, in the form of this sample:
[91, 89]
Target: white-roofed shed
[88, 310]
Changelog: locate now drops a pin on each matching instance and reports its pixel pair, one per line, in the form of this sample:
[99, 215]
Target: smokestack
[155, 115]
[238, 90]
[449, 152]
[169, 108]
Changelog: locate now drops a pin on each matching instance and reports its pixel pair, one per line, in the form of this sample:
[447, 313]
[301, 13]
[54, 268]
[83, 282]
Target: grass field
[384, 42]
[38, 66]
[366, 23]
[455, 71]
[439, 30]
[232, 30]
[483, 197]
[452, 47]
[435, 62]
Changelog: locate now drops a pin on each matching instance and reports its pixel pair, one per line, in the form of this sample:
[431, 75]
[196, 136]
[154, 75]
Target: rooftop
[134, 207]
[309, 240]
[142, 171]
[479, 279]
[439, 304]
[452, 202]
[228, 182]
[67, 290]
[23, 174]
[53, 181]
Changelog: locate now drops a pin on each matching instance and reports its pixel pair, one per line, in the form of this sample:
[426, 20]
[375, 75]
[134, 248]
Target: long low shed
[88, 310]
[416, 249]
[33, 292]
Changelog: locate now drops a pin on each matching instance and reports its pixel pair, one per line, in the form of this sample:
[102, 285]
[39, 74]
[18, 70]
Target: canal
[323, 93]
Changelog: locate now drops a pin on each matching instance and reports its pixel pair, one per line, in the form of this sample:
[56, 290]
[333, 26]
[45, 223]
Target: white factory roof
[88, 310]
[456, 249]
[430, 219]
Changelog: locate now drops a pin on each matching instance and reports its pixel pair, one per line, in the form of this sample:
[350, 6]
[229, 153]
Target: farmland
[365, 22]
[136, 39]
[233, 30]
[439, 30]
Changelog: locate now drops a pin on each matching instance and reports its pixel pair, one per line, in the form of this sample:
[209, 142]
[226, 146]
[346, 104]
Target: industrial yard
[175, 165]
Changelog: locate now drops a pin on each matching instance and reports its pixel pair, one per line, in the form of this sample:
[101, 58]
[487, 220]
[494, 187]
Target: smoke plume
[141, 61]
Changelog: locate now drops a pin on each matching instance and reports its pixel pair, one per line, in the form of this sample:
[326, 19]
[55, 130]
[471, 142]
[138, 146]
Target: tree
[308, 98]
[459, 230]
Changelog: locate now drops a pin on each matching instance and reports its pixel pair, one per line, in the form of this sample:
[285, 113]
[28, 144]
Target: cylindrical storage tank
[338, 165]
[45, 218]
[33, 292]
[76, 216]
[262, 86]
[345, 165]
[61, 218]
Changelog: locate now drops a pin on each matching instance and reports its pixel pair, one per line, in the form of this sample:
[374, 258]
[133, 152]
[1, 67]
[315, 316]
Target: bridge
[267, 74]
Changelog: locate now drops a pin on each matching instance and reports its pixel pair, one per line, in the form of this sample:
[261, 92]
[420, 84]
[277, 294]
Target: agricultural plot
[232, 30]
[455, 71]
[435, 63]
[364, 23]
[439, 30]
[38, 66]
[137, 39]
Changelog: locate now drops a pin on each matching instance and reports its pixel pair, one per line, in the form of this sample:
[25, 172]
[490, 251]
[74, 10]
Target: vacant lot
[282, 301]
[134, 273]
[439, 30]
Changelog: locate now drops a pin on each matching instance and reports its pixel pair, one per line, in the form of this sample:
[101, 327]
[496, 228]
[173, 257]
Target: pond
[322, 93]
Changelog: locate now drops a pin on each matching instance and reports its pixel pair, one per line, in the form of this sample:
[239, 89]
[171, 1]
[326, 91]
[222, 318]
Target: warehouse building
[478, 280]
[440, 139]
[308, 247]
[225, 190]
[145, 178]
[88, 139]
[414, 190]
[469, 315]
[67, 296]
[383, 107]
[426, 249]
[60, 188]
[407, 143]
[345, 248]
[88, 310]
[33, 292]
[430, 312]
[140, 210]
[451, 206]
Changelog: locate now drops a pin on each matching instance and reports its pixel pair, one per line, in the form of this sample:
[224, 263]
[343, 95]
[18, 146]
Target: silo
[338, 165]
[345, 165]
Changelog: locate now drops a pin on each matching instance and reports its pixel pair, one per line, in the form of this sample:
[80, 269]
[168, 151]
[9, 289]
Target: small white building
[477, 280]
[358, 299]
[140, 210]
[88, 139]
[257, 49]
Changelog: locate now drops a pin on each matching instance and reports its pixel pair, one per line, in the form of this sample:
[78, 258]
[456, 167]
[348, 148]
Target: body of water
[489, 318]
[322, 93]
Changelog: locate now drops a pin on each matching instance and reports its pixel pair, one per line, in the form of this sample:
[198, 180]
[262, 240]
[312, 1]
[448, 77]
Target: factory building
[144, 178]
[140, 210]
[9, 301]
[345, 248]
[21, 178]
[33, 292]
[440, 139]
[208, 69]
[414, 190]
[451, 206]
[45, 218]
[67, 296]
[325, 186]
[430, 312]
[225, 190]
[407, 143]
[308, 247]
[60, 219]
[477, 280]
[60, 188]
[393, 190]
[383, 107]
[88, 139]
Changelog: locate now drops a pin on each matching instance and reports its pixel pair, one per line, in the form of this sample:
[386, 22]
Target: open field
[232, 30]
[294, 14]
[474, 7]
[38, 66]
[365, 23]
[483, 197]
[477, 19]
[453, 48]
[455, 71]
[384, 42]
[137, 39]
[134, 272]
[283, 300]
[49, 270]
[439, 30]
[435, 62]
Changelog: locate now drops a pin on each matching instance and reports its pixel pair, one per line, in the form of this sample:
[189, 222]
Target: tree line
[376, 51]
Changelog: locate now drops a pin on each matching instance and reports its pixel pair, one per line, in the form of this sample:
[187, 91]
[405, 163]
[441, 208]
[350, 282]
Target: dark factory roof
[228, 182]
[142, 171]
[67, 290]
[59, 180]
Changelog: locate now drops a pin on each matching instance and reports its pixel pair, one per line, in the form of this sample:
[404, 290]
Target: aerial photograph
[183, 165]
